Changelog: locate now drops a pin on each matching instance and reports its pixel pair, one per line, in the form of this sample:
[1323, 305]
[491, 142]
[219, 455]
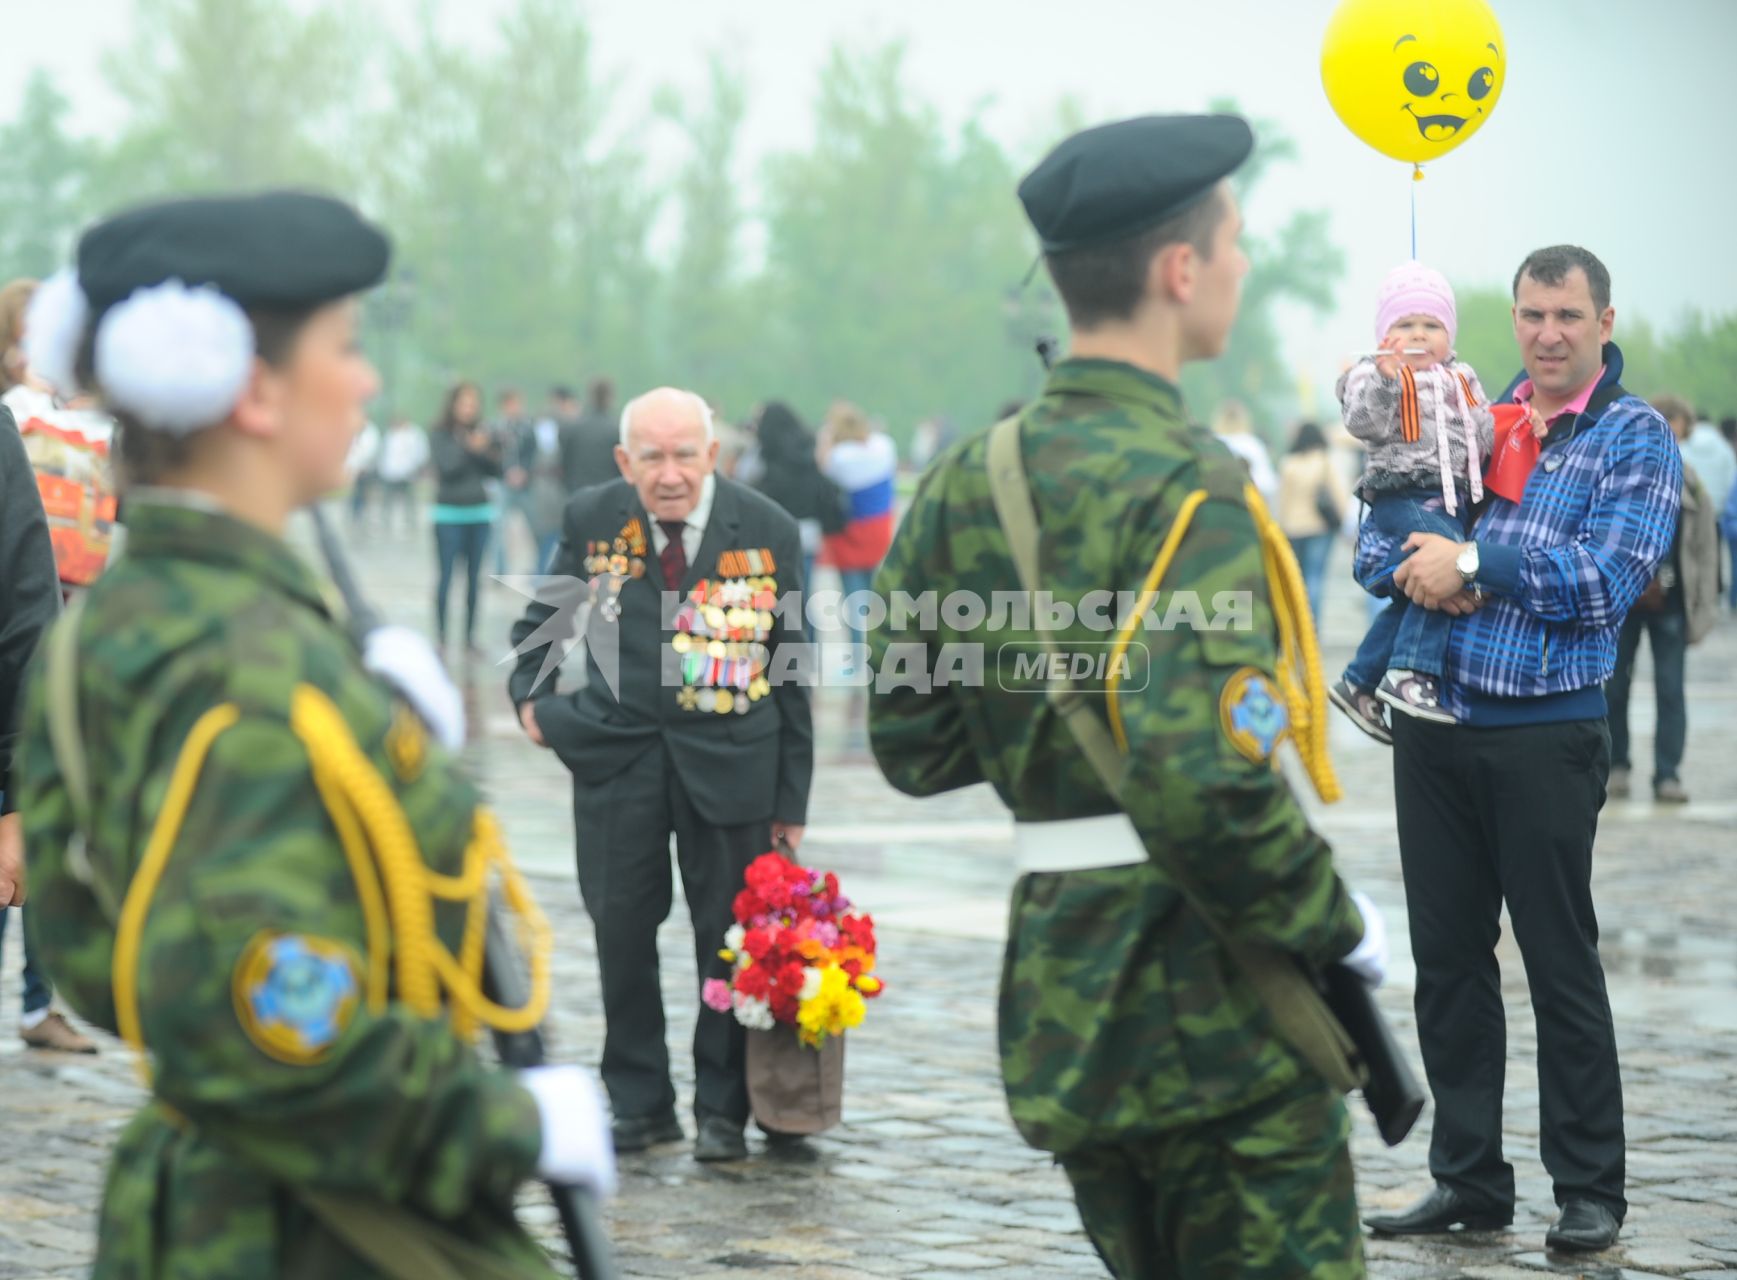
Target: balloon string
[1416, 173]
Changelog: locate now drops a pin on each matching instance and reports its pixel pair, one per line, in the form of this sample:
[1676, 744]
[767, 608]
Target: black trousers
[1487, 815]
[623, 833]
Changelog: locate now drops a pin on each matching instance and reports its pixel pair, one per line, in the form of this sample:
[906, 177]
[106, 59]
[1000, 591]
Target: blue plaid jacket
[1565, 564]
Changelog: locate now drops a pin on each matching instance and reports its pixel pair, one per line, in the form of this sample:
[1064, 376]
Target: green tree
[233, 94]
[518, 208]
[891, 248]
[1299, 264]
[49, 172]
[711, 332]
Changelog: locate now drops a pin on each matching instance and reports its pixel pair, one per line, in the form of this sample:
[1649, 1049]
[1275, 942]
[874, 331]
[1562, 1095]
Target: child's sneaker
[1415, 694]
[1365, 711]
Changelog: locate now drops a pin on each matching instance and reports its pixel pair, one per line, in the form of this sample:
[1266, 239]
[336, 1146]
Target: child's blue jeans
[1405, 635]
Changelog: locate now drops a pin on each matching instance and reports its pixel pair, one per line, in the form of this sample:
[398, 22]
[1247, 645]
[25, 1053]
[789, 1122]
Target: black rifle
[1392, 1092]
[503, 977]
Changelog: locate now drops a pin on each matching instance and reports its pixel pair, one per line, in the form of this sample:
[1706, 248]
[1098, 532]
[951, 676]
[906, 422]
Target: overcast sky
[1608, 132]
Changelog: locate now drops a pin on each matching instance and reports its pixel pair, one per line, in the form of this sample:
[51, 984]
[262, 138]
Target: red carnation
[755, 981]
[757, 942]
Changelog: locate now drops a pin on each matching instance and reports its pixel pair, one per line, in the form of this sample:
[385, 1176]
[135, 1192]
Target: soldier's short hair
[1104, 283]
[1552, 265]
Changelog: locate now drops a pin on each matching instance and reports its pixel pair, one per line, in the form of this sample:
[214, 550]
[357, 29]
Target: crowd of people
[296, 913]
[501, 481]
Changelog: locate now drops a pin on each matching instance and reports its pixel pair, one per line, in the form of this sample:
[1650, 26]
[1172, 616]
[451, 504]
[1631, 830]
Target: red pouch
[1515, 452]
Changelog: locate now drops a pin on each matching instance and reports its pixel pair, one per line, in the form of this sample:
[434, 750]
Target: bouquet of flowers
[800, 955]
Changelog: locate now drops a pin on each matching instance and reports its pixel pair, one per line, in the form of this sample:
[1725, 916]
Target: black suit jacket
[738, 768]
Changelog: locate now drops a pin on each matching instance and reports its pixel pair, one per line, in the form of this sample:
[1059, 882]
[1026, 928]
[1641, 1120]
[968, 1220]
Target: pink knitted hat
[1415, 290]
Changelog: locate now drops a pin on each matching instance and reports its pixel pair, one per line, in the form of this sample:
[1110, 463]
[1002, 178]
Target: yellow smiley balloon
[1414, 80]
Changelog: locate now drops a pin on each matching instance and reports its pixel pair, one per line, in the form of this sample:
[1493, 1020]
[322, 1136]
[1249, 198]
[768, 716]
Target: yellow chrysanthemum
[834, 1009]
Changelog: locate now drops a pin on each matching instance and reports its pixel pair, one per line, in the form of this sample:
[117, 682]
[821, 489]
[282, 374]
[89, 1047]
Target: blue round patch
[1253, 714]
[295, 994]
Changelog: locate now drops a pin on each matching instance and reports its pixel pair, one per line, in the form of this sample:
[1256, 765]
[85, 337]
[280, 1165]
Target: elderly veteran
[690, 725]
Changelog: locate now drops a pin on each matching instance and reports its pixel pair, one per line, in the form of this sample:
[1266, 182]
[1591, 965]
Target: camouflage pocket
[1087, 1027]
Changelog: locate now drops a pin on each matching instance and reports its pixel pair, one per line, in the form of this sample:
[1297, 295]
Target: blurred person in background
[363, 467]
[1728, 519]
[1709, 450]
[1675, 611]
[1313, 500]
[513, 432]
[589, 441]
[1715, 462]
[403, 458]
[791, 477]
[543, 461]
[1233, 425]
[862, 461]
[30, 593]
[466, 458]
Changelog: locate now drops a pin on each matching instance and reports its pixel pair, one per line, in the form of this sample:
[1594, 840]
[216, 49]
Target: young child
[1421, 414]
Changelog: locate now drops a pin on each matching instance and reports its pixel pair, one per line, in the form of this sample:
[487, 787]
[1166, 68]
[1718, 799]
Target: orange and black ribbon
[1410, 419]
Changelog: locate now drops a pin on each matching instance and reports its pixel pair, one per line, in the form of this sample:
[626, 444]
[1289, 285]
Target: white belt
[1077, 844]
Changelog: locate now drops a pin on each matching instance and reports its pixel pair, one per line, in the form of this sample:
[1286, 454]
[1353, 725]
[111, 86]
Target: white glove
[577, 1148]
[406, 661]
[1368, 959]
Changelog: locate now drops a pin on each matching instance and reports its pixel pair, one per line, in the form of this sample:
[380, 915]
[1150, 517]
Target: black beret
[1117, 180]
[284, 250]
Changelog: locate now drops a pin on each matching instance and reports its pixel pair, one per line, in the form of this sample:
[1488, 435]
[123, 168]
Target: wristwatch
[1467, 562]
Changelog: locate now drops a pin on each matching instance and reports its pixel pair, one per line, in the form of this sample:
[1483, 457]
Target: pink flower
[716, 995]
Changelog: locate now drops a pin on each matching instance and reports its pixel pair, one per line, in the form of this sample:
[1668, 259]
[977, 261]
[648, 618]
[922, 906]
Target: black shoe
[720, 1140]
[1439, 1211]
[1584, 1227]
[780, 1139]
[636, 1133]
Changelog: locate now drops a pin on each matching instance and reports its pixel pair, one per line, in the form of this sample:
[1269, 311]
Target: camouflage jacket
[261, 1085]
[1120, 1014]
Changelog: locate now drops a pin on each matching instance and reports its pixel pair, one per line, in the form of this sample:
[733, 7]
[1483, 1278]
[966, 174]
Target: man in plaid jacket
[1503, 805]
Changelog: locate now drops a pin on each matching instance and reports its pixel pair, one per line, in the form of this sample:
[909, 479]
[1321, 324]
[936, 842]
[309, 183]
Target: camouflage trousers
[1264, 1194]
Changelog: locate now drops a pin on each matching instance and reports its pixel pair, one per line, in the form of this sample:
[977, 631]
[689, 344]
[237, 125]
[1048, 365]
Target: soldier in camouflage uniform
[1198, 1143]
[272, 880]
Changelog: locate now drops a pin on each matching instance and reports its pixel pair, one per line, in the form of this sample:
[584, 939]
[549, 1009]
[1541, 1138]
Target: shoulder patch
[295, 994]
[1253, 714]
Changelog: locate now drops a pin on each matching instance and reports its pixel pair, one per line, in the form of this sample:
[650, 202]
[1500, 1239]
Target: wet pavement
[926, 1177]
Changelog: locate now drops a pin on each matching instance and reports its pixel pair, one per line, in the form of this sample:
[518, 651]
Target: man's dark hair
[1102, 284]
[507, 393]
[1551, 266]
[561, 392]
[602, 393]
[1728, 429]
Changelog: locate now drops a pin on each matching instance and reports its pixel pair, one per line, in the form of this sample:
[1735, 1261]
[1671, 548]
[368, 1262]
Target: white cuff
[1369, 958]
[406, 661]
[577, 1148]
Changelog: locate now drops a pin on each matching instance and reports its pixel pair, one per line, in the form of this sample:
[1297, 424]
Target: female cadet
[246, 857]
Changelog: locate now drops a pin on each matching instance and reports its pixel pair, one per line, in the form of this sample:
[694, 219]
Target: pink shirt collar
[1523, 395]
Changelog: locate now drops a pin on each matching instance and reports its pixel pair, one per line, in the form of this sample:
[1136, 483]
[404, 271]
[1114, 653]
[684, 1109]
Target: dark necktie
[674, 556]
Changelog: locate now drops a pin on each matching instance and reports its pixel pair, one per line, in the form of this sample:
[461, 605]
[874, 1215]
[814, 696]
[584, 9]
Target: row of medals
[610, 567]
[721, 630]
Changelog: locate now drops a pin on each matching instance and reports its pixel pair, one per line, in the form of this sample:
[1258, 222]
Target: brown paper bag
[792, 1088]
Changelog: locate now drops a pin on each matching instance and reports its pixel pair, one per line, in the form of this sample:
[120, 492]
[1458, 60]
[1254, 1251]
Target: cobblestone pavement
[926, 1178]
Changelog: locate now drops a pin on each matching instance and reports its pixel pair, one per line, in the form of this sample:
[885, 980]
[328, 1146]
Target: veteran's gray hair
[699, 404]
